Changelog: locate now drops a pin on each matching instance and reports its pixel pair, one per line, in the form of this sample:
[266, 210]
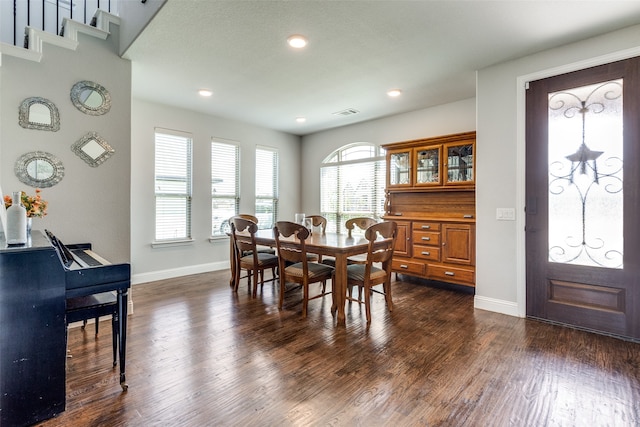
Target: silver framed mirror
[93, 149]
[39, 169]
[39, 113]
[91, 98]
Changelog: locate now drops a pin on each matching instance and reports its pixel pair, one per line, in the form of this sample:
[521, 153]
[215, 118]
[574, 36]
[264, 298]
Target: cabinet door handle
[449, 273]
[444, 243]
[426, 227]
[404, 266]
[426, 238]
[426, 253]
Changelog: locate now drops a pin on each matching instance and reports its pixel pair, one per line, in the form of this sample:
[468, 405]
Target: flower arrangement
[35, 206]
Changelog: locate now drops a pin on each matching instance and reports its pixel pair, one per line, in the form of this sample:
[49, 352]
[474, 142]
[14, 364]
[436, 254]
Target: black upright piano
[35, 281]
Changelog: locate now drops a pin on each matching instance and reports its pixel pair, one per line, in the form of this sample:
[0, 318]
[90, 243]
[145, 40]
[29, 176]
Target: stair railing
[47, 15]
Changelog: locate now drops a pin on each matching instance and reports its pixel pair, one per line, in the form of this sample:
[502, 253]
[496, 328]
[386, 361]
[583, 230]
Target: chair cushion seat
[260, 249]
[263, 259]
[355, 272]
[354, 260]
[315, 270]
[329, 261]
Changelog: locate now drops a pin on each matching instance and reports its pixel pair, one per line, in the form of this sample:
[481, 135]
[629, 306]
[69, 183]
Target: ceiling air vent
[347, 112]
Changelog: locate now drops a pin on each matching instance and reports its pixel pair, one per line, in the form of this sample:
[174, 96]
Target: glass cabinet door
[459, 163]
[428, 165]
[399, 173]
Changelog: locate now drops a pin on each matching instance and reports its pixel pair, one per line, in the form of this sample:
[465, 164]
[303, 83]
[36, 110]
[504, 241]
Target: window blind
[266, 186]
[172, 185]
[352, 188]
[225, 187]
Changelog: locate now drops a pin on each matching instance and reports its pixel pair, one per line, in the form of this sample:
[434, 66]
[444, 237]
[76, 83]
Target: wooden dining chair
[361, 222]
[254, 219]
[295, 266]
[318, 221]
[247, 256]
[366, 275]
[259, 248]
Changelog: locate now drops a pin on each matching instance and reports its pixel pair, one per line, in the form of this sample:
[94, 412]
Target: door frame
[522, 83]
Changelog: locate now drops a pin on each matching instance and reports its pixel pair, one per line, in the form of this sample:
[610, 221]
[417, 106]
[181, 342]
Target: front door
[583, 199]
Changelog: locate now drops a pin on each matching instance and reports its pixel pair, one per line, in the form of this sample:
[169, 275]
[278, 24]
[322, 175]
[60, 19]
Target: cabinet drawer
[432, 253]
[451, 274]
[410, 267]
[426, 226]
[426, 238]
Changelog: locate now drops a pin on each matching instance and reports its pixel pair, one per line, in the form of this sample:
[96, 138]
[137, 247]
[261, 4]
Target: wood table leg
[340, 287]
[122, 337]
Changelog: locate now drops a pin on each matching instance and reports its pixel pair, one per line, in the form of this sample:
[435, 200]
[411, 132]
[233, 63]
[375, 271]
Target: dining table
[338, 246]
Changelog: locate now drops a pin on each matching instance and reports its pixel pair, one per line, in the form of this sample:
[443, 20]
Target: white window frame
[169, 145]
[225, 185]
[334, 169]
[266, 194]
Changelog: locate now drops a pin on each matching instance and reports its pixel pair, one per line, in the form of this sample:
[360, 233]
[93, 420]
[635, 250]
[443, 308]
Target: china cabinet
[430, 193]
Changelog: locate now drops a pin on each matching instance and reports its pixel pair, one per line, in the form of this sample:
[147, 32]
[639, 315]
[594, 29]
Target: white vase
[16, 221]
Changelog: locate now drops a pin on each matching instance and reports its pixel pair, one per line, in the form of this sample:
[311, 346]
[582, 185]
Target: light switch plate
[505, 214]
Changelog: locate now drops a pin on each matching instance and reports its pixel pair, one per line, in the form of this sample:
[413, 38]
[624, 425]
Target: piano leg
[122, 335]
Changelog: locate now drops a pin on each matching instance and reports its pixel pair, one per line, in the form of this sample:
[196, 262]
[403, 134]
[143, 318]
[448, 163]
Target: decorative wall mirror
[39, 169]
[39, 113]
[91, 98]
[93, 149]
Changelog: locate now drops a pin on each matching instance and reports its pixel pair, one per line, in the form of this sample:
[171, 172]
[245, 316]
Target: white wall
[500, 271]
[135, 17]
[445, 119]
[202, 255]
[89, 204]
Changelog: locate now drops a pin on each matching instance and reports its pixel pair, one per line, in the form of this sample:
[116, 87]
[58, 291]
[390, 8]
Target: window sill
[213, 239]
[169, 243]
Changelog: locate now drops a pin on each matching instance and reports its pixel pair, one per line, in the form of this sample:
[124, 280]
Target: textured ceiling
[357, 51]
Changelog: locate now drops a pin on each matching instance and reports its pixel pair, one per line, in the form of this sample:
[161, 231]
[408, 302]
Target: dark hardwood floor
[199, 355]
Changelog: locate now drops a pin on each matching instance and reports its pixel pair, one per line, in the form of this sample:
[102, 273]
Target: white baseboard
[499, 306]
[178, 272]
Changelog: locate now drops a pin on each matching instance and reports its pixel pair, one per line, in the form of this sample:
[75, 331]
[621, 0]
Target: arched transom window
[352, 180]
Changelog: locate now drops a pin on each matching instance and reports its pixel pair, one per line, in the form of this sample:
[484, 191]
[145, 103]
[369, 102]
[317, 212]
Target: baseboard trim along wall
[499, 306]
[483, 303]
[178, 272]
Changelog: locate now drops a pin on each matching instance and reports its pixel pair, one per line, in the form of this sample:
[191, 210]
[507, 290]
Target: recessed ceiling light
[394, 92]
[205, 92]
[301, 119]
[297, 41]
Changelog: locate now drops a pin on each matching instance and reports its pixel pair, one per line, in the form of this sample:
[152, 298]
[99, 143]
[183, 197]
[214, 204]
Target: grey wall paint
[135, 16]
[441, 120]
[201, 255]
[89, 204]
[500, 281]
[93, 204]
